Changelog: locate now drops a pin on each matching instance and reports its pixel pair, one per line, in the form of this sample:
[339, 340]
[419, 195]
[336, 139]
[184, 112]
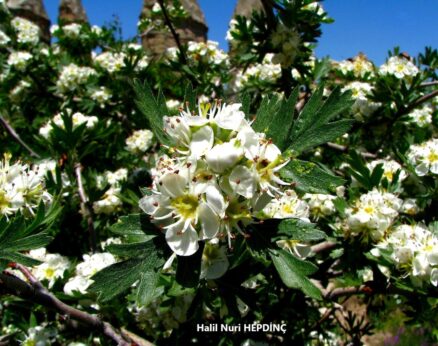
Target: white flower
[115, 178]
[173, 104]
[399, 67]
[359, 67]
[390, 168]
[72, 30]
[77, 120]
[410, 206]
[287, 40]
[52, 268]
[287, 206]
[21, 187]
[221, 173]
[110, 202]
[424, 157]
[54, 28]
[259, 74]
[179, 206]
[320, 204]
[362, 107]
[97, 30]
[421, 117]
[414, 249]
[140, 141]
[373, 214]
[27, 32]
[112, 62]
[19, 60]
[85, 270]
[101, 96]
[72, 76]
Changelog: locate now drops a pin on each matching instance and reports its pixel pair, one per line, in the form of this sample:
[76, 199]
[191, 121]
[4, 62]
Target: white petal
[209, 222]
[242, 181]
[182, 242]
[422, 169]
[434, 277]
[202, 141]
[224, 156]
[230, 117]
[173, 184]
[149, 203]
[216, 200]
[272, 152]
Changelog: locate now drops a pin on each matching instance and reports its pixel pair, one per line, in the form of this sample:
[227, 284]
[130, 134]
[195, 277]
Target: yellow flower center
[432, 157]
[186, 206]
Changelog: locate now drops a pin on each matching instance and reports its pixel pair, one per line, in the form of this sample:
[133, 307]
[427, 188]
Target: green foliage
[312, 127]
[153, 110]
[18, 235]
[296, 229]
[144, 256]
[308, 177]
[274, 118]
[294, 272]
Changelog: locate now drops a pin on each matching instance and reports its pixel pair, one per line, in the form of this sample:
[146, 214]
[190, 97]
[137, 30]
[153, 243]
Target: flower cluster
[21, 187]
[362, 107]
[111, 62]
[320, 205]
[52, 268]
[139, 141]
[358, 67]
[207, 52]
[101, 95]
[287, 205]
[399, 67]
[372, 214]
[85, 270]
[286, 41]
[390, 169]
[110, 202]
[414, 250]
[72, 30]
[72, 76]
[19, 60]
[27, 32]
[421, 117]
[259, 74]
[222, 173]
[424, 157]
[77, 120]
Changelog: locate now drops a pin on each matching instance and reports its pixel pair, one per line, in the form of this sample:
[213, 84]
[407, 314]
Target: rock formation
[72, 11]
[245, 7]
[192, 28]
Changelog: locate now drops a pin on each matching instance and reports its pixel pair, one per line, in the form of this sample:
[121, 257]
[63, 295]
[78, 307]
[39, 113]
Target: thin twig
[173, 31]
[346, 291]
[426, 84]
[421, 100]
[324, 246]
[15, 135]
[37, 293]
[85, 207]
[344, 149]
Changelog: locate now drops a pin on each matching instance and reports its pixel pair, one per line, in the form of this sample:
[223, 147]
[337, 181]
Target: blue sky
[369, 26]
